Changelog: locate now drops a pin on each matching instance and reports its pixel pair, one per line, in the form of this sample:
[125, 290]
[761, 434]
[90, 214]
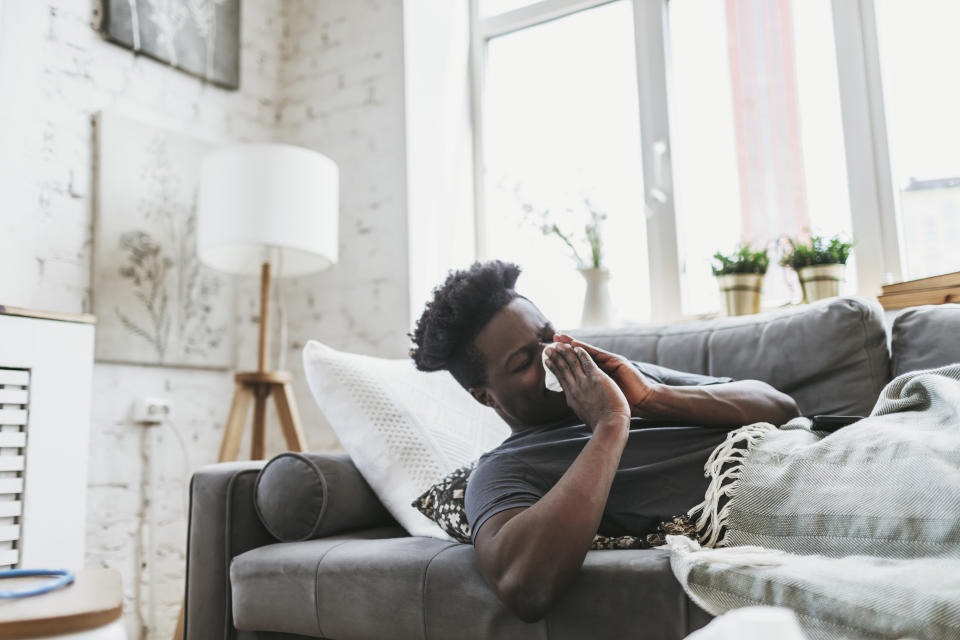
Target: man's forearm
[540, 551]
[720, 405]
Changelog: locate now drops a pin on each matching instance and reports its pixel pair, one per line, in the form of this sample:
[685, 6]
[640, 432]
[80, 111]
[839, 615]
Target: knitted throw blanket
[857, 531]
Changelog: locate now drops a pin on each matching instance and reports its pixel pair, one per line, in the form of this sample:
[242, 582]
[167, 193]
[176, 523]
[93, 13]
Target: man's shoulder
[492, 465]
[500, 462]
[496, 456]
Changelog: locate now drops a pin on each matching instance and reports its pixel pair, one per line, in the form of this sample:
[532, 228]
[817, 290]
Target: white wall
[56, 72]
[327, 75]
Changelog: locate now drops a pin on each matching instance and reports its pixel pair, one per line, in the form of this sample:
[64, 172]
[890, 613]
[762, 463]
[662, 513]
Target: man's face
[511, 345]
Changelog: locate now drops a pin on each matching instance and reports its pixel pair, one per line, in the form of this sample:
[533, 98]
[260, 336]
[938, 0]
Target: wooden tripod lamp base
[258, 386]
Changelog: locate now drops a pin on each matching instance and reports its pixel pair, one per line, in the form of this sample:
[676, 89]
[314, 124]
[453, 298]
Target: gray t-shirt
[660, 474]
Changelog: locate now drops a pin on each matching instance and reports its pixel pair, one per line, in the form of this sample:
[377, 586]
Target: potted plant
[597, 305]
[820, 265]
[740, 277]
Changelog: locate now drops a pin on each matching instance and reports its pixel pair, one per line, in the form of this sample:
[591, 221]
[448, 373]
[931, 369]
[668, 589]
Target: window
[919, 49]
[561, 137]
[698, 125]
[756, 135]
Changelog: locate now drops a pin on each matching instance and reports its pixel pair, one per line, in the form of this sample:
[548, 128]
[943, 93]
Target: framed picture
[155, 302]
[201, 37]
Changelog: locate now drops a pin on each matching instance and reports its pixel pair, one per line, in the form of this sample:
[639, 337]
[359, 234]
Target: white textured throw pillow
[404, 429]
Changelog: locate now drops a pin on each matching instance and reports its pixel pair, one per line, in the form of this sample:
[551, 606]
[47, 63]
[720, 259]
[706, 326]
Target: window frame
[869, 175]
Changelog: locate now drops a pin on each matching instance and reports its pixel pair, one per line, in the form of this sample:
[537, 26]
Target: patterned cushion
[443, 503]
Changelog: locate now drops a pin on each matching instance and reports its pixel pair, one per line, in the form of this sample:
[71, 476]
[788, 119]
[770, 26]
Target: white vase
[741, 292]
[820, 281]
[597, 305]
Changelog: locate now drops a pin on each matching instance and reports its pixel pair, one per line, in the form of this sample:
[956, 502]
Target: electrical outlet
[147, 410]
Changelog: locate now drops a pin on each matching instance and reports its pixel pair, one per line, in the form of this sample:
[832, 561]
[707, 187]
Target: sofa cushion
[299, 496]
[925, 338]
[417, 588]
[830, 356]
[404, 429]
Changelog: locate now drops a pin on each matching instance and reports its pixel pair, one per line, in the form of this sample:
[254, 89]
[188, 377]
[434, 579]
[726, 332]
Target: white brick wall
[117, 524]
[326, 75]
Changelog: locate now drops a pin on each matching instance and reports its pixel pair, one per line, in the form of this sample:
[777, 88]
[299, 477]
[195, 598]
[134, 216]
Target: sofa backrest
[925, 338]
[830, 356]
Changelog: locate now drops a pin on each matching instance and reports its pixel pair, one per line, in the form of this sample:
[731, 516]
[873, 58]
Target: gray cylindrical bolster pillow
[301, 496]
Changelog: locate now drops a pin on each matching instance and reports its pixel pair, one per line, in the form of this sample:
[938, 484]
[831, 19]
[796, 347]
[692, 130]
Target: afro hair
[461, 307]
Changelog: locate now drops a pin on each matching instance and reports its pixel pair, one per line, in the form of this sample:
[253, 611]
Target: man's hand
[590, 392]
[637, 389]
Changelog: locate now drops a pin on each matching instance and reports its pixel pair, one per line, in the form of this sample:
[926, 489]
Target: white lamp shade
[268, 202]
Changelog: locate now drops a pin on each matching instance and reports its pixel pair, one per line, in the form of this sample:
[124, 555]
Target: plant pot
[597, 305]
[820, 281]
[741, 292]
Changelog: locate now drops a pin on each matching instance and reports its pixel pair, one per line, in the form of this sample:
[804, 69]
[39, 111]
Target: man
[611, 453]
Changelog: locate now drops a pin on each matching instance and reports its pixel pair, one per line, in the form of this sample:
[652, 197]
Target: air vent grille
[14, 414]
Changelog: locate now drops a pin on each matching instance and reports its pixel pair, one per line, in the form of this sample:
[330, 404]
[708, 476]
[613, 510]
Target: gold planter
[820, 281]
[741, 292]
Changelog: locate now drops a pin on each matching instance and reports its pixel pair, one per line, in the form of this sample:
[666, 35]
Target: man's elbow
[785, 406]
[526, 599]
[770, 405]
[788, 406]
[791, 409]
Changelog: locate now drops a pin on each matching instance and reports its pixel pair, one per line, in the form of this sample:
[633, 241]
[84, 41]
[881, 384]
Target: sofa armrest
[223, 524]
[302, 496]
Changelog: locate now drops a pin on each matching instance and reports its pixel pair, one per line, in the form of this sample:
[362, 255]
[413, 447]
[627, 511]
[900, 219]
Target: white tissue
[549, 380]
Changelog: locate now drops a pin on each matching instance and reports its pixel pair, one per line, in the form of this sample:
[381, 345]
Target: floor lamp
[260, 206]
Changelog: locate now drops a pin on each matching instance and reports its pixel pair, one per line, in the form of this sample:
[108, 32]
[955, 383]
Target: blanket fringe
[724, 467]
[745, 556]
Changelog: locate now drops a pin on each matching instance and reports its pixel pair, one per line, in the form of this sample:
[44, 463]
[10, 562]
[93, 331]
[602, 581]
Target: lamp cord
[153, 444]
[152, 480]
[187, 465]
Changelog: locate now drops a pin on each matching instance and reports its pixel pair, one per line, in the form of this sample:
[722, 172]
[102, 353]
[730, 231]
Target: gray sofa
[362, 577]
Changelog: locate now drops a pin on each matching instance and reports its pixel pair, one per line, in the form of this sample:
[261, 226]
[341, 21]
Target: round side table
[88, 609]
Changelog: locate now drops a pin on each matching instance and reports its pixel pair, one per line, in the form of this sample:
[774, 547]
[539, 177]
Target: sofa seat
[347, 588]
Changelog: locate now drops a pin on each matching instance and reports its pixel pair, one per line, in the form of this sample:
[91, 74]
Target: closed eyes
[526, 363]
[544, 336]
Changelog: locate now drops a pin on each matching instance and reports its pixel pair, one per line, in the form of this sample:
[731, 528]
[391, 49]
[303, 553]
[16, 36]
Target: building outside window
[919, 50]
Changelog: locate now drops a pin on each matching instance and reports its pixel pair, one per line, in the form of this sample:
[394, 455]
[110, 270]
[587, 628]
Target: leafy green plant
[744, 260]
[819, 250]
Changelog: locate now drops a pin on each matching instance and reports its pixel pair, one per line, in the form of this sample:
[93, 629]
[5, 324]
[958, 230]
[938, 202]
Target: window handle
[656, 192]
